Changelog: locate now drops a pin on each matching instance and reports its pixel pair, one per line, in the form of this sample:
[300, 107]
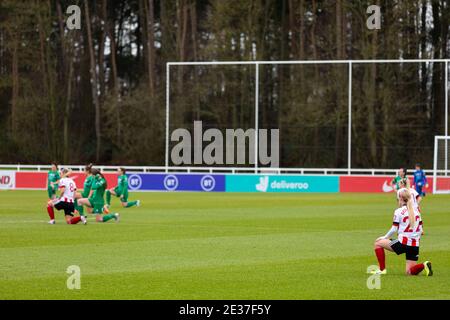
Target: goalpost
[441, 177]
[441, 167]
[350, 65]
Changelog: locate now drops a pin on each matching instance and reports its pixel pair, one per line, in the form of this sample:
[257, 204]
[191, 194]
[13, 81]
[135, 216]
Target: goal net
[441, 170]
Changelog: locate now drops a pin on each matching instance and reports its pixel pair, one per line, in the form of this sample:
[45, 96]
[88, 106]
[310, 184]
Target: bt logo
[171, 182]
[135, 182]
[208, 183]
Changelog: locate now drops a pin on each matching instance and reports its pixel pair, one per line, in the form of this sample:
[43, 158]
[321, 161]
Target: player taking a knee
[408, 226]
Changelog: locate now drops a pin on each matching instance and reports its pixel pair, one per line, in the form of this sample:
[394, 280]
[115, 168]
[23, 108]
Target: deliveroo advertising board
[281, 183]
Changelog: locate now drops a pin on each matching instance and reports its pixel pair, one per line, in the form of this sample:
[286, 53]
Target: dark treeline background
[98, 94]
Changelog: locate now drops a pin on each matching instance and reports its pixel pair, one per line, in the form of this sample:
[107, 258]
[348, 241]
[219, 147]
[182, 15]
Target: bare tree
[115, 77]
[150, 47]
[15, 87]
[94, 82]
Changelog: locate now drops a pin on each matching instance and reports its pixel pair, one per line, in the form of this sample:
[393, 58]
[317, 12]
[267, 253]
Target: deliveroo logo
[263, 184]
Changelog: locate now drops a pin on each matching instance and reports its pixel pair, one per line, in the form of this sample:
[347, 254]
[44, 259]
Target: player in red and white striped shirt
[408, 238]
[65, 201]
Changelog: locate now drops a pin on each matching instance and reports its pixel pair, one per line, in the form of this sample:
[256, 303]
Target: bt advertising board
[176, 182]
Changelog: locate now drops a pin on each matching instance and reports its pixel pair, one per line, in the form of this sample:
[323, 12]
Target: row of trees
[98, 93]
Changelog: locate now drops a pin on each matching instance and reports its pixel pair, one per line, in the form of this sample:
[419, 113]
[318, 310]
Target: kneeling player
[408, 225]
[121, 191]
[96, 201]
[86, 190]
[65, 201]
[52, 181]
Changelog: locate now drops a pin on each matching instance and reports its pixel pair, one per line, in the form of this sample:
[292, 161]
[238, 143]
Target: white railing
[217, 170]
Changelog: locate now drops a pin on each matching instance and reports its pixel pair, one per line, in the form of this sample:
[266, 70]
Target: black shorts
[412, 253]
[68, 207]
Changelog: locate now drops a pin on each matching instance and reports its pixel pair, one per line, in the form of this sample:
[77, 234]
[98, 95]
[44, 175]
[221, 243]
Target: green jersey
[122, 183]
[52, 177]
[396, 180]
[52, 186]
[99, 187]
[87, 186]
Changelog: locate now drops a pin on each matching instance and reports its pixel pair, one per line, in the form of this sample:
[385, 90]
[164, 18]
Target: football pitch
[218, 246]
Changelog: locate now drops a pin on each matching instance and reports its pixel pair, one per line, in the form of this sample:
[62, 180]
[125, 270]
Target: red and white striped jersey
[69, 191]
[414, 196]
[406, 235]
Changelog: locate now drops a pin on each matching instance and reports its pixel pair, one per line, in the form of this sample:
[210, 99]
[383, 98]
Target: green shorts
[123, 196]
[51, 191]
[97, 207]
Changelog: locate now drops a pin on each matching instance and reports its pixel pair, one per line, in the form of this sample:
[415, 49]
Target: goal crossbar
[204, 63]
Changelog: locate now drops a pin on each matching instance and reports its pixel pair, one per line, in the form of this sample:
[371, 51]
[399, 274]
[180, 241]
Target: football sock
[79, 209]
[381, 258]
[108, 197]
[108, 217]
[130, 204]
[51, 212]
[75, 220]
[416, 269]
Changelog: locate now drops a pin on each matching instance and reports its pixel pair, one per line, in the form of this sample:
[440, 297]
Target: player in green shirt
[52, 181]
[86, 190]
[96, 198]
[121, 191]
[395, 182]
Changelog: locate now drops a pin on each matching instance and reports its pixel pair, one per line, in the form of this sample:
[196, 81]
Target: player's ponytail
[97, 172]
[106, 182]
[88, 168]
[406, 197]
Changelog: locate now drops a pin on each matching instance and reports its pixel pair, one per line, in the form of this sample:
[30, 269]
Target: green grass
[218, 246]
